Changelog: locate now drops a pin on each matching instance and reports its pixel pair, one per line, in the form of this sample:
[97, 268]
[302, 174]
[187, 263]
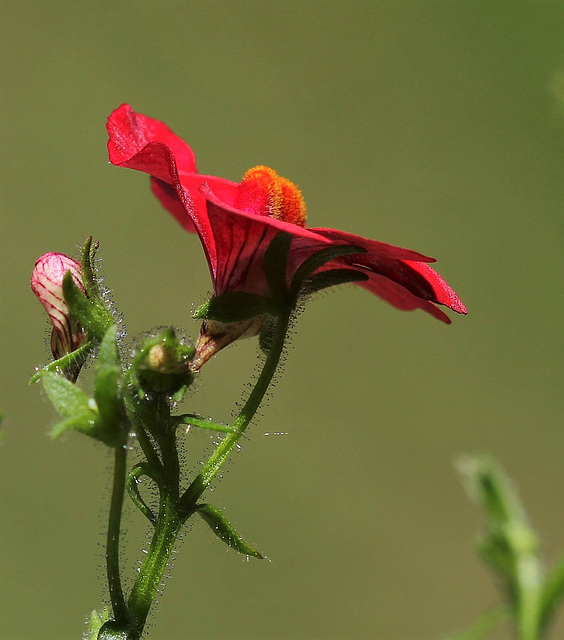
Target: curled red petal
[131, 139]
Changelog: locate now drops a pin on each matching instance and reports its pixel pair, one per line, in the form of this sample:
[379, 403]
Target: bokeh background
[437, 126]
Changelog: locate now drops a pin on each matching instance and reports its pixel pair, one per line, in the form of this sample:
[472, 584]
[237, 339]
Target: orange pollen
[263, 192]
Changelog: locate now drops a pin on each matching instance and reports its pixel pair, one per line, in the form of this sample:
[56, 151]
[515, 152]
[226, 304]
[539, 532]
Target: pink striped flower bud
[47, 285]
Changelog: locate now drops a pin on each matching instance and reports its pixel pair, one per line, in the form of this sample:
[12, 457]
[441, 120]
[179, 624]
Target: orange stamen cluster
[263, 192]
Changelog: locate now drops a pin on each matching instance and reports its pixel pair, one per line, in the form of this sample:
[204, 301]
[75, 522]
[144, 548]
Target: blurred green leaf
[509, 544]
[552, 594]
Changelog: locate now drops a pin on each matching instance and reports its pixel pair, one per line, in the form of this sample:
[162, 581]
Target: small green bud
[164, 364]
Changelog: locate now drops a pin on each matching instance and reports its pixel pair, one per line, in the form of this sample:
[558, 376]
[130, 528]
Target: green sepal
[200, 422]
[92, 314]
[223, 529]
[235, 306]
[138, 471]
[65, 396]
[332, 278]
[88, 254]
[162, 365]
[318, 259]
[276, 263]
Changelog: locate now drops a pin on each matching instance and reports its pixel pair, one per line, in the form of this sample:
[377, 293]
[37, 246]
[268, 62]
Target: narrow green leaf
[134, 477]
[76, 357]
[223, 529]
[332, 278]
[66, 397]
[235, 306]
[317, 260]
[200, 422]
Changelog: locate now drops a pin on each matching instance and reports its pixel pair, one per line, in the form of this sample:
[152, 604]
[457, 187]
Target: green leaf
[66, 397]
[83, 423]
[276, 263]
[223, 529]
[108, 355]
[317, 260]
[332, 278]
[194, 420]
[133, 479]
[235, 306]
[76, 357]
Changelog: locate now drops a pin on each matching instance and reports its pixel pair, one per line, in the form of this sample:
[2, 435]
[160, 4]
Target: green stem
[173, 512]
[529, 584]
[112, 541]
[222, 451]
[151, 573]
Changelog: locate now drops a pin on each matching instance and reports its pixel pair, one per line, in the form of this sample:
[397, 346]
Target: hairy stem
[222, 451]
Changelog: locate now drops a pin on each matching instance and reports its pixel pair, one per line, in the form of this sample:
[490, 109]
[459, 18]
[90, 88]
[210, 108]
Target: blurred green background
[437, 126]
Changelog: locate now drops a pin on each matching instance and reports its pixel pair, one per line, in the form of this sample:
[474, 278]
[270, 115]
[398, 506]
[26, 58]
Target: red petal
[380, 249]
[241, 239]
[400, 297]
[131, 139]
[404, 267]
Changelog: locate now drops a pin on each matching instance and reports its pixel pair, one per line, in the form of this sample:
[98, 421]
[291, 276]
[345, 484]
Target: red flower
[236, 222]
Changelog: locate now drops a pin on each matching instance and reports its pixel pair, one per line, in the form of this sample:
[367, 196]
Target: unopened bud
[165, 367]
[47, 284]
